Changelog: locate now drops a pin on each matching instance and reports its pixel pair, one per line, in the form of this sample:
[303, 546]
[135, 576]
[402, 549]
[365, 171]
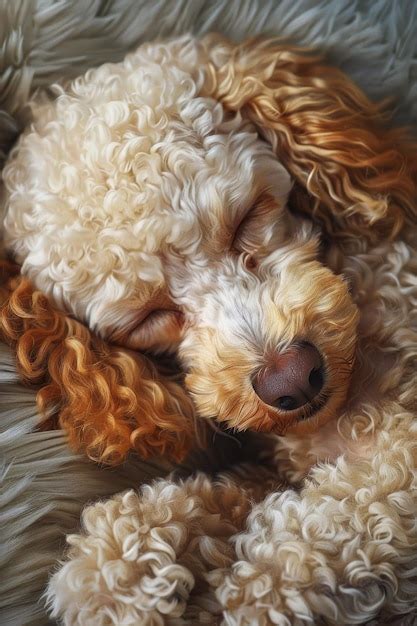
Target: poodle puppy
[246, 209]
[178, 203]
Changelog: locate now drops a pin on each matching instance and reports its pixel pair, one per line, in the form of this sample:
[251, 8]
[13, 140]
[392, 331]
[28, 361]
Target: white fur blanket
[44, 485]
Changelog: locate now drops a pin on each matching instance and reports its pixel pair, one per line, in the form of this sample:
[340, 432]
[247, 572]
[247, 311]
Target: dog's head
[150, 201]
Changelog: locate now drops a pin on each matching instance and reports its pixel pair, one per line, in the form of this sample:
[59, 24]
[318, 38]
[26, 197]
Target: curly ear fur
[359, 177]
[107, 399]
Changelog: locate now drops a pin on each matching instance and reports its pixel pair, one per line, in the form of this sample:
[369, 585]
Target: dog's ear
[108, 400]
[349, 170]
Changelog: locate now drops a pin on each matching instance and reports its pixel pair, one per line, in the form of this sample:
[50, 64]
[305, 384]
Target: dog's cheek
[216, 385]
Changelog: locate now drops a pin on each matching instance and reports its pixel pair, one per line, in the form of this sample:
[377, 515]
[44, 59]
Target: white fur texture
[134, 183]
[156, 552]
[343, 549]
[137, 163]
[340, 548]
[375, 42]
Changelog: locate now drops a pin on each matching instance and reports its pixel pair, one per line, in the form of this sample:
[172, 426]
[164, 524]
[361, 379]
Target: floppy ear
[352, 173]
[108, 400]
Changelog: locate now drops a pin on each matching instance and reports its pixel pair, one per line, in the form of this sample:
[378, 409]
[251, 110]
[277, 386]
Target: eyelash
[242, 225]
[259, 211]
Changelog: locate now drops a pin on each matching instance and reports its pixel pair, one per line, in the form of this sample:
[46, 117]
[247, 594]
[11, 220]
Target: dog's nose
[294, 378]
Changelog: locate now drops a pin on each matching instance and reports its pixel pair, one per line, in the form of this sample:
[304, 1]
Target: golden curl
[360, 177]
[108, 400]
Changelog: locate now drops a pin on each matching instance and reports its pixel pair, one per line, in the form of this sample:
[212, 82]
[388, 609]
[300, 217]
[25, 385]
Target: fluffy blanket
[43, 484]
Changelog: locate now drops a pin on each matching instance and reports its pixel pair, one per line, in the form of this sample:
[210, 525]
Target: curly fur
[221, 553]
[145, 203]
[329, 136]
[161, 556]
[92, 386]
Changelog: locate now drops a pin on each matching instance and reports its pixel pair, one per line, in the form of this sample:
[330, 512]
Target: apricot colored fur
[108, 400]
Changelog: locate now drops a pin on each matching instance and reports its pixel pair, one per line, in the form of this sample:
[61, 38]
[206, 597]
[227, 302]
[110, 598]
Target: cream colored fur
[340, 545]
[123, 204]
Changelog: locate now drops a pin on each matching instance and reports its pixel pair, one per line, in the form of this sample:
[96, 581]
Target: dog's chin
[315, 417]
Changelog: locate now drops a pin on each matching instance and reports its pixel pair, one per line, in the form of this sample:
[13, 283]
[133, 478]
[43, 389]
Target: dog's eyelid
[249, 233]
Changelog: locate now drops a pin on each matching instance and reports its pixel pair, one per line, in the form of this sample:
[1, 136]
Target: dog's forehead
[128, 163]
[144, 151]
[200, 174]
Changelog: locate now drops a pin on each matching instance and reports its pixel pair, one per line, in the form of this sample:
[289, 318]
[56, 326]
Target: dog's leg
[341, 550]
[144, 557]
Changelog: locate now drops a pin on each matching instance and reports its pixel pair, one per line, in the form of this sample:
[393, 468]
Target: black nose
[293, 380]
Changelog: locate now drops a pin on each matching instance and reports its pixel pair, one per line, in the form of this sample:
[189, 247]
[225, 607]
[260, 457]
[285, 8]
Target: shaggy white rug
[44, 485]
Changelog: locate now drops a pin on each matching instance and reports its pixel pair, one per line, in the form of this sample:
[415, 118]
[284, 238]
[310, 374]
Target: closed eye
[257, 226]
